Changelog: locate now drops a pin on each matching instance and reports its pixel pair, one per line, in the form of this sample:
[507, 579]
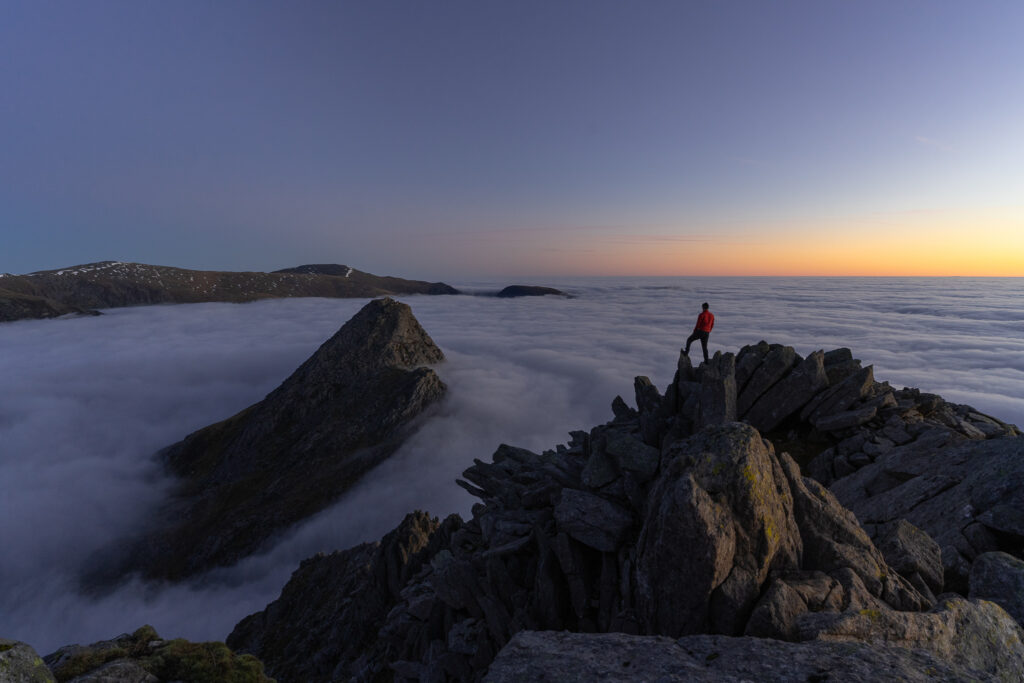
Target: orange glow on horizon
[921, 246]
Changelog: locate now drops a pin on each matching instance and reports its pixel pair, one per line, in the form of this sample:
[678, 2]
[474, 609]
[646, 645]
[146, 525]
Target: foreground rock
[349, 406]
[20, 663]
[672, 520]
[572, 657]
[109, 284]
[144, 657]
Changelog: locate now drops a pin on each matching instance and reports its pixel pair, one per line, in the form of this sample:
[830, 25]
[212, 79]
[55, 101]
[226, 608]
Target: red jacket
[705, 321]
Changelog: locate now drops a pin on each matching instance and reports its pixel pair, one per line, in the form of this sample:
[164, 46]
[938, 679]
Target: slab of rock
[718, 390]
[748, 360]
[912, 553]
[621, 658]
[592, 520]
[778, 362]
[633, 455]
[844, 420]
[999, 577]
[951, 488]
[789, 394]
[241, 481]
[840, 396]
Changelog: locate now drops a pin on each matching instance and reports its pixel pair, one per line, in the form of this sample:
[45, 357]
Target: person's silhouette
[705, 321]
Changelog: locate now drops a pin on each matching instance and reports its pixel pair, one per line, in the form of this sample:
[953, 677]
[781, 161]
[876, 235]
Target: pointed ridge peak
[384, 333]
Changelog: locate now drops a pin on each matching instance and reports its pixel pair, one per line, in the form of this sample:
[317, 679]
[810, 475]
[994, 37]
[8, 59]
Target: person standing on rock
[705, 321]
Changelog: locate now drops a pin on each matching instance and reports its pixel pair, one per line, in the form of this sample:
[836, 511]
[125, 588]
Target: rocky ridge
[111, 284]
[243, 480]
[684, 517]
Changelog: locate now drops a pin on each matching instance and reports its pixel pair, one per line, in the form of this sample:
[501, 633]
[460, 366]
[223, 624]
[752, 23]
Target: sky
[88, 401]
[452, 139]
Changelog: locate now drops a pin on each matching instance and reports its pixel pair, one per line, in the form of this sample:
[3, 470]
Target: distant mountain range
[110, 284]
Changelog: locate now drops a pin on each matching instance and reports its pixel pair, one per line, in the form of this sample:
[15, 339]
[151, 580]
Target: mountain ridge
[112, 284]
[244, 479]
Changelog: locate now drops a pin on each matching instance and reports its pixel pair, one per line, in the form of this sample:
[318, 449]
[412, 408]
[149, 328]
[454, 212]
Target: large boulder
[243, 480]
[20, 663]
[720, 518]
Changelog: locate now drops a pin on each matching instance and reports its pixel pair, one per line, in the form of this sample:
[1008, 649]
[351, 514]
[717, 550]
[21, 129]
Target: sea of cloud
[88, 401]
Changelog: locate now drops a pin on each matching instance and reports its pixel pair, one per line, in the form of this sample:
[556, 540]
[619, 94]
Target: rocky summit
[243, 480]
[683, 541]
[111, 284]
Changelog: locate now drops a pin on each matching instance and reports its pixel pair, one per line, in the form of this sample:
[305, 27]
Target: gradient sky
[457, 139]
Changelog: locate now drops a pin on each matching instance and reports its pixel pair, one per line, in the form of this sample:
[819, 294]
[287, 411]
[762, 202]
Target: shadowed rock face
[341, 412]
[335, 603]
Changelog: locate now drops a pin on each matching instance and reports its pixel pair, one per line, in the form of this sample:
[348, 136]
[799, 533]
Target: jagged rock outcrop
[674, 519]
[145, 657]
[899, 459]
[110, 284]
[345, 409]
[671, 519]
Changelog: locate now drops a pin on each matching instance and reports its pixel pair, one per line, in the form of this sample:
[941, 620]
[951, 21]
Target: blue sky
[442, 139]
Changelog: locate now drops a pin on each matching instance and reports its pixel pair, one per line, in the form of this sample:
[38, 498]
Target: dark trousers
[703, 336]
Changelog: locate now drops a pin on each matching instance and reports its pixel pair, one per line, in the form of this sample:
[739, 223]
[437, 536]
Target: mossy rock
[168, 660]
